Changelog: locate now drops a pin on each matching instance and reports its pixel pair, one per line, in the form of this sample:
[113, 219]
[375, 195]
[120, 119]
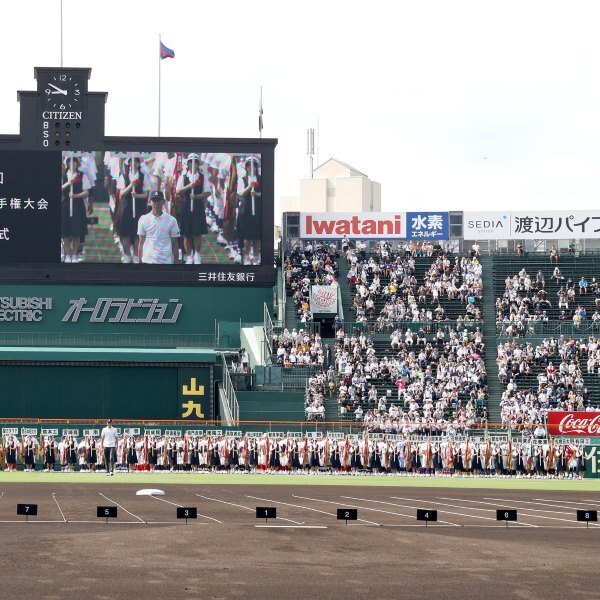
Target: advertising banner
[359, 225]
[123, 309]
[531, 225]
[323, 299]
[427, 226]
[195, 393]
[564, 423]
[592, 460]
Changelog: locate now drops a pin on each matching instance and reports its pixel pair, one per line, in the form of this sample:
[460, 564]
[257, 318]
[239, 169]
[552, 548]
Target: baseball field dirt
[146, 552]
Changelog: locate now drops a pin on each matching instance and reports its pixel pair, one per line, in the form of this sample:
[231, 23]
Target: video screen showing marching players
[161, 208]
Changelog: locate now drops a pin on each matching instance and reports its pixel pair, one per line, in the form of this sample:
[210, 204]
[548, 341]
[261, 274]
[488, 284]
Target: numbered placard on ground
[347, 514]
[28, 510]
[587, 515]
[106, 512]
[187, 512]
[426, 515]
[266, 512]
[506, 514]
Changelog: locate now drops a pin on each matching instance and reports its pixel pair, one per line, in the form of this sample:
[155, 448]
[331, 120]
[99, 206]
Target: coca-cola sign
[574, 423]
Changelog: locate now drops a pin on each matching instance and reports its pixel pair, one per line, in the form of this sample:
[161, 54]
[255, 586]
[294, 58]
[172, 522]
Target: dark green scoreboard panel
[138, 392]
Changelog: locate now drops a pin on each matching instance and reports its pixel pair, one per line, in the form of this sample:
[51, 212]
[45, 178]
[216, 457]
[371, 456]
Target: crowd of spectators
[300, 348]
[548, 376]
[531, 298]
[317, 387]
[309, 264]
[389, 279]
[427, 382]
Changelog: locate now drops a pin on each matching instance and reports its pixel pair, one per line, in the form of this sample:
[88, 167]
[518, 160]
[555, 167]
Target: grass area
[567, 485]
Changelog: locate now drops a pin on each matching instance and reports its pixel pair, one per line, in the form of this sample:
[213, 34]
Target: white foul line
[180, 506]
[110, 522]
[556, 512]
[523, 514]
[31, 522]
[391, 513]
[305, 508]
[593, 502]
[291, 526]
[59, 508]
[129, 513]
[460, 514]
[530, 509]
[245, 508]
[387, 512]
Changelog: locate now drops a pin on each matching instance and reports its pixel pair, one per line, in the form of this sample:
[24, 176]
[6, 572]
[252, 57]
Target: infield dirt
[147, 553]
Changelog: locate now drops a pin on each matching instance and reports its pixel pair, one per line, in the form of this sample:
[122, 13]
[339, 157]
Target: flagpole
[260, 128]
[159, 61]
[61, 34]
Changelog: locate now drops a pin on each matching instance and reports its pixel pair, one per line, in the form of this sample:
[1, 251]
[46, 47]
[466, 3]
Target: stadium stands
[535, 295]
[413, 310]
[394, 286]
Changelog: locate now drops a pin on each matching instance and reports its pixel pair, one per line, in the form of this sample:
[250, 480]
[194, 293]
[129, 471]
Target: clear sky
[449, 105]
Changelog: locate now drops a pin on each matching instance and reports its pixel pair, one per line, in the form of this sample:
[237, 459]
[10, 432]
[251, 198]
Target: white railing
[268, 329]
[231, 400]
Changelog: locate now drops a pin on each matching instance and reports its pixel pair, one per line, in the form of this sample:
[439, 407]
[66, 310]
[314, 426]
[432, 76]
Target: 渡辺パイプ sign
[531, 225]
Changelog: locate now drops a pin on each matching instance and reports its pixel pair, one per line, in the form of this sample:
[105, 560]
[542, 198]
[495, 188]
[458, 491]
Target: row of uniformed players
[286, 453]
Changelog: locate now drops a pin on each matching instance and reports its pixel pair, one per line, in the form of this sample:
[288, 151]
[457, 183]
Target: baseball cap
[156, 196]
[109, 420]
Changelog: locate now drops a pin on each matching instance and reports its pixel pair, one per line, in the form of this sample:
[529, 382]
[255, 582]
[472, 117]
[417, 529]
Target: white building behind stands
[335, 187]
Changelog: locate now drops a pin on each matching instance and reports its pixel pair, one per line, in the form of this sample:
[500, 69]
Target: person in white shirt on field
[158, 233]
[110, 440]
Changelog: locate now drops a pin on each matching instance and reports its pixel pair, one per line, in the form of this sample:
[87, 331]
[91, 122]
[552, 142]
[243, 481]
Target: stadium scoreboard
[29, 206]
[62, 145]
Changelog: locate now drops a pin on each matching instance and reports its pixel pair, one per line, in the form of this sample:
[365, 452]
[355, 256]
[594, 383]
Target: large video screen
[161, 208]
[177, 212]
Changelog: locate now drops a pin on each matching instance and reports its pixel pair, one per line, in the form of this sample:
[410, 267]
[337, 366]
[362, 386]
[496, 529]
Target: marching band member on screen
[249, 219]
[134, 187]
[75, 191]
[90, 169]
[112, 171]
[230, 209]
[191, 188]
[158, 234]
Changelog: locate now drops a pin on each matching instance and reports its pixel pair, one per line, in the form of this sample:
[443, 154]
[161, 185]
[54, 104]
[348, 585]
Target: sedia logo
[486, 224]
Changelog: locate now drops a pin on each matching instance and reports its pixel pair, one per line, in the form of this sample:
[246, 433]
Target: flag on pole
[260, 113]
[166, 52]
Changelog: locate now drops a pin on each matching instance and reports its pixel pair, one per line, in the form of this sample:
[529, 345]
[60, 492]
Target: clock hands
[58, 90]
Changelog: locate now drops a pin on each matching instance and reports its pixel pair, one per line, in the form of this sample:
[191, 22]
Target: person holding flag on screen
[249, 222]
[192, 215]
[134, 187]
